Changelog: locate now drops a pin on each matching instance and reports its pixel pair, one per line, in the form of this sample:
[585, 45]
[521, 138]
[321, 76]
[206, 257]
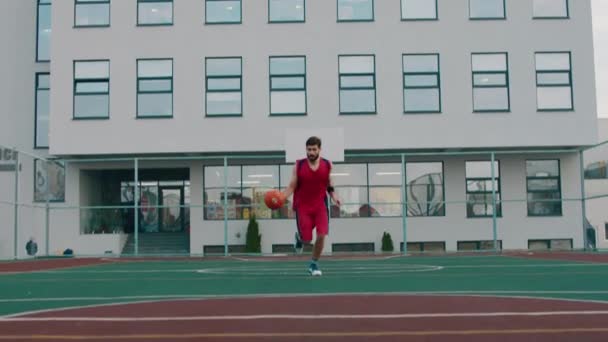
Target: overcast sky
[600, 32]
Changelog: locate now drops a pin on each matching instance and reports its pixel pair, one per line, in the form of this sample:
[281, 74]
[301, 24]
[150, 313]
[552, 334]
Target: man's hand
[335, 198]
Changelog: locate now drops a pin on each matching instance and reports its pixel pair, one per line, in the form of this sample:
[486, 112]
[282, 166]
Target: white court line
[307, 317]
[168, 298]
[328, 266]
[273, 295]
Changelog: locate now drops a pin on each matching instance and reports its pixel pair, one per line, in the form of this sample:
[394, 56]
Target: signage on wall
[7, 159]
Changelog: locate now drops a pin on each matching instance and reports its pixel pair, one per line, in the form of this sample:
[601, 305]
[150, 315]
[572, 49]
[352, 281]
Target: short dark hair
[312, 141]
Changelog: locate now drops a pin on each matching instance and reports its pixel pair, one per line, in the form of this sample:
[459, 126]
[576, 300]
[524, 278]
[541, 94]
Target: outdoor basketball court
[518, 297]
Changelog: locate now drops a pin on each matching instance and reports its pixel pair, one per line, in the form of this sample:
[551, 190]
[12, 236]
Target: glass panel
[357, 81]
[551, 8]
[155, 68]
[155, 85]
[481, 205]
[224, 84]
[491, 98]
[86, 106]
[155, 13]
[481, 169]
[421, 81]
[419, 9]
[84, 69]
[287, 83]
[544, 204]
[286, 10]
[287, 65]
[421, 100]
[486, 8]
[149, 211]
[482, 185]
[288, 102]
[42, 118]
[44, 32]
[552, 61]
[548, 78]
[352, 101]
[385, 174]
[223, 11]
[542, 168]
[223, 67]
[154, 105]
[543, 184]
[554, 98]
[490, 79]
[92, 87]
[385, 201]
[223, 103]
[92, 14]
[172, 218]
[489, 62]
[420, 63]
[425, 189]
[355, 9]
[356, 64]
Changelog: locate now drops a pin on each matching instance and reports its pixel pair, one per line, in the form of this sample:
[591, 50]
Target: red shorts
[309, 219]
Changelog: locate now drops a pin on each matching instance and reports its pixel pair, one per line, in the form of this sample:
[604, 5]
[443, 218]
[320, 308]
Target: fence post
[16, 204]
[404, 203]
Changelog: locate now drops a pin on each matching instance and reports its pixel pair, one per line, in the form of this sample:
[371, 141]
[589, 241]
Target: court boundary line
[249, 335]
[171, 298]
[308, 316]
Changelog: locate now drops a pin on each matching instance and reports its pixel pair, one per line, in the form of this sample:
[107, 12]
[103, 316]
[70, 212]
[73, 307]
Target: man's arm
[331, 190]
[292, 183]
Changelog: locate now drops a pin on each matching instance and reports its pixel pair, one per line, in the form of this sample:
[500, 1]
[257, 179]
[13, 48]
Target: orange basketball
[274, 199]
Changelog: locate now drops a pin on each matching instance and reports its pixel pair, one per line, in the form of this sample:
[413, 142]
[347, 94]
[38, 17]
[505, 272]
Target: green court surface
[132, 281]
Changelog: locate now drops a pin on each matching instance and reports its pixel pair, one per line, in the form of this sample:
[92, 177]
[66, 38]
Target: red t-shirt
[311, 190]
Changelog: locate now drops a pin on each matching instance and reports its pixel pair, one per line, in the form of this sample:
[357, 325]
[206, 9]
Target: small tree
[254, 238]
[387, 242]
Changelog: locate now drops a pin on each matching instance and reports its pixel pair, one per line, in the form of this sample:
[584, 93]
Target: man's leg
[318, 249]
[322, 225]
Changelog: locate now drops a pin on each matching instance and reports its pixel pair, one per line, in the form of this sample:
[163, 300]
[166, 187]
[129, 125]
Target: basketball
[274, 199]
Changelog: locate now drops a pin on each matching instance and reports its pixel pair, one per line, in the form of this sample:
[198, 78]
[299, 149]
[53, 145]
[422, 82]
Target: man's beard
[313, 157]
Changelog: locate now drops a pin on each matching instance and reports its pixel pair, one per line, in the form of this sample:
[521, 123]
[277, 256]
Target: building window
[92, 13]
[425, 191]
[154, 12]
[154, 88]
[543, 187]
[255, 181]
[490, 82]
[487, 9]
[224, 84]
[551, 9]
[419, 9]
[223, 11]
[357, 84]
[421, 86]
[43, 44]
[554, 81]
[385, 190]
[286, 11]
[355, 10]
[214, 193]
[92, 89]
[43, 88]
[350, 182]
[288, 85]
[49, 181]
[479, 188]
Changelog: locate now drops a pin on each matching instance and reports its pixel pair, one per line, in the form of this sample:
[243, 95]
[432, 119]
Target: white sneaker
[314, 270]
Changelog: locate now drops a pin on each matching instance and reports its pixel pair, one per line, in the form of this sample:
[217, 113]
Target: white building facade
[181, 84]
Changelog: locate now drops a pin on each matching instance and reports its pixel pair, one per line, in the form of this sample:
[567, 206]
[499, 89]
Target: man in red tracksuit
[310, 184]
